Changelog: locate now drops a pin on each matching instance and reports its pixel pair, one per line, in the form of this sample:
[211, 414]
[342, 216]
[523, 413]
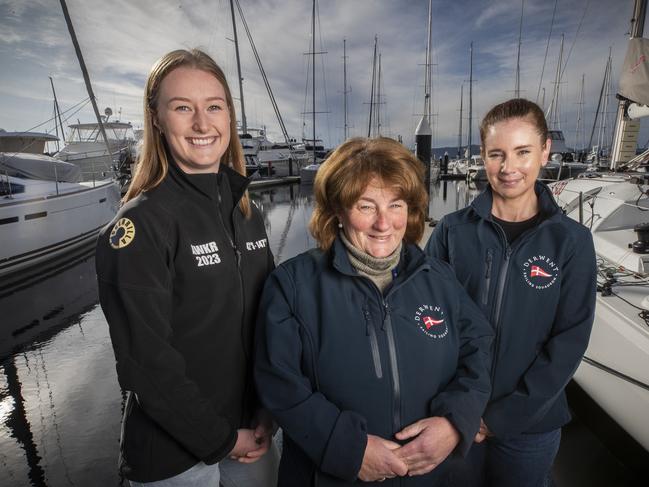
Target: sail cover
[634, 81]
[38, 166]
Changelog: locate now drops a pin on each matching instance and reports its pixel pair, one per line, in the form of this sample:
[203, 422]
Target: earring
[340, 225]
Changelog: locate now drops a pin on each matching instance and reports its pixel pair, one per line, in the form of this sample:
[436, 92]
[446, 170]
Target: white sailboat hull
[616, 365]
[35, 229]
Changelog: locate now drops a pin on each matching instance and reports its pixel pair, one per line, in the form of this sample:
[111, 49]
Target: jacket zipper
[487, 276]
[394, 366]
[374, 344]
[502, 278]
[237, 254]
[392, 349]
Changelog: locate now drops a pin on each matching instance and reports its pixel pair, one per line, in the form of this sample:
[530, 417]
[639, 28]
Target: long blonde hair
[152, 165]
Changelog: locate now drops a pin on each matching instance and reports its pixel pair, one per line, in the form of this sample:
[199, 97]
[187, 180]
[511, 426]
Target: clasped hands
[252, 444]
[431, 441]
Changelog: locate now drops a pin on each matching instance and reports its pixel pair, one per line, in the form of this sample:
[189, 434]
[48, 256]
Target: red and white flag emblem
[538, 272]
[428, 321]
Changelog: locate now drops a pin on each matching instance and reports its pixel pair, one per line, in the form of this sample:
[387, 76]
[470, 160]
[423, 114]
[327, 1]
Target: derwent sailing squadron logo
[431, 320]
[540, 272]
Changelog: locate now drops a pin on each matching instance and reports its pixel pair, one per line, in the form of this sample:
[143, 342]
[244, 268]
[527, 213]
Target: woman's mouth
[200, 141]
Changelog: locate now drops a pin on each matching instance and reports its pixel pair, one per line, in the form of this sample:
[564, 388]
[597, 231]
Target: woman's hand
[482, 433]
[249, 446]
[380, 462]
[434, 439]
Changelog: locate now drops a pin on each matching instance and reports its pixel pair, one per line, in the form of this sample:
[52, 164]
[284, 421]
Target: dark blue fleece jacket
[539, 295]
[337, 360]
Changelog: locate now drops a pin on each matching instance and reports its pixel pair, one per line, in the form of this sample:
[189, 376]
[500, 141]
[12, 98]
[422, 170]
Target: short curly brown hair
[344, 176]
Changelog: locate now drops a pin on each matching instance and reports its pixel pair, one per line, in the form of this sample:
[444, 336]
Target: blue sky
[121, 39]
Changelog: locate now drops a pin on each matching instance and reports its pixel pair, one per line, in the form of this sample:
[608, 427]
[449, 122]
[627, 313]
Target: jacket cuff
[223, 450]
[466, 427]
[345, 449]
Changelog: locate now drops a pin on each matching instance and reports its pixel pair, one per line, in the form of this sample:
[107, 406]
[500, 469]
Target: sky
[121, 40]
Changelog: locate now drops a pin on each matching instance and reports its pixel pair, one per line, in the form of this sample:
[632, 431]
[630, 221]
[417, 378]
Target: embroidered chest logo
[206, 254]
[257, 244]
[122, 234]
[540, 272]
[431, 320]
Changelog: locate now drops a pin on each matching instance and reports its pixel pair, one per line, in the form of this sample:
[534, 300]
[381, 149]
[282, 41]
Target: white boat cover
[38, 166]
[634, 80]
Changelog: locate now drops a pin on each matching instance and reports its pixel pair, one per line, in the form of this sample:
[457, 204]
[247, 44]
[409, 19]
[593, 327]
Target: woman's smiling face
[192, 113]
[513, 155]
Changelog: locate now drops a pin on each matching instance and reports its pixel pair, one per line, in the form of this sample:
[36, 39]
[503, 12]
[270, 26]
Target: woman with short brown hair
[370, 356]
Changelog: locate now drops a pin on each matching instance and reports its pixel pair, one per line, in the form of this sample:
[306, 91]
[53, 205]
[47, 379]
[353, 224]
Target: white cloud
[121, 40]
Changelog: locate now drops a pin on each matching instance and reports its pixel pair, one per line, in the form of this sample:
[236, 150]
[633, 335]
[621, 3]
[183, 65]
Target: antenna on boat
[86, 78]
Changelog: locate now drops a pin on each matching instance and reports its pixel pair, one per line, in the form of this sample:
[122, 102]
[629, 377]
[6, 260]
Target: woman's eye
[366, 208]
[182, 108]
[397, 205]
[215, 108]
[523, 152]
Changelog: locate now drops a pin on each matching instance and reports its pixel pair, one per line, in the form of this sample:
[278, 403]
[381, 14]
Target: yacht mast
[313, 73]
[86, 77]
[579, 130]
[554, 118]
[244, 125]
[377, 105]
[459, 133]
[428, 78]
[345, 89]
[517, 84]
[369, 125]
[470, 99]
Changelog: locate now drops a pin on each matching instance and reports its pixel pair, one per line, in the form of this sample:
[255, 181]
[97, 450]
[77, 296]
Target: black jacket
[180, 295]
[337, 360]
[539, 295]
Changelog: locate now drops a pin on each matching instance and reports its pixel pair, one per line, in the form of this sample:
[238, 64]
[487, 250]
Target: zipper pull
[368, 321]
[508, 252]
[238, 254]
[489, 262]
[387, 315]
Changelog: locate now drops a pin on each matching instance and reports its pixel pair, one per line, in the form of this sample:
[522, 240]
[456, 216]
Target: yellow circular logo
[122, 234]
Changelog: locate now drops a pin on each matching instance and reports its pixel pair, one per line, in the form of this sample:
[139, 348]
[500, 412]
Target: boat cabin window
[8, 188]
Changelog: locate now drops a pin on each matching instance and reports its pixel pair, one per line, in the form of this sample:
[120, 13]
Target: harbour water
[60, 403]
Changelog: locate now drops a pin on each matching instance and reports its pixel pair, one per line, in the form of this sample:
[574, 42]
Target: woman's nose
[382, 221]
[199, 122]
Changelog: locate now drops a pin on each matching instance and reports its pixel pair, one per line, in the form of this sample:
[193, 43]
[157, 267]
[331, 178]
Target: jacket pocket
[374, 343]
[487, 276]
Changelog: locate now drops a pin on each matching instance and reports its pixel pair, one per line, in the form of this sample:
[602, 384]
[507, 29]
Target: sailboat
[615, 206]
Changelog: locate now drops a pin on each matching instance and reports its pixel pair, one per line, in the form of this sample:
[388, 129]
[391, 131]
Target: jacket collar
[238, 183]
[547, 205]
[411, 258]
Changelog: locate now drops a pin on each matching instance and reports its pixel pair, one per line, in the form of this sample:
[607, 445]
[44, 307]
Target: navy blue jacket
[539, 295]
[336, 360]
